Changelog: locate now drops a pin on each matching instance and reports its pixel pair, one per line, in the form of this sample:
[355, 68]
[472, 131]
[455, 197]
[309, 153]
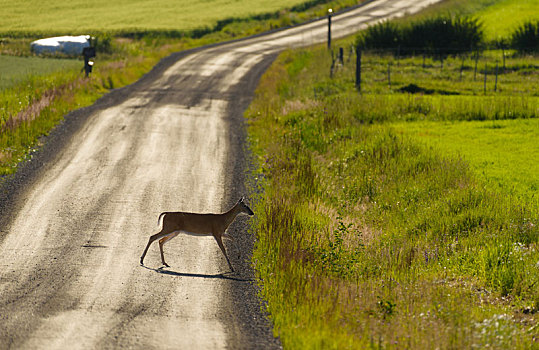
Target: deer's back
[191, 222]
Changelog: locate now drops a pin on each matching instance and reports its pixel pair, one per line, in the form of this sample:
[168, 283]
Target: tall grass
[368, 239]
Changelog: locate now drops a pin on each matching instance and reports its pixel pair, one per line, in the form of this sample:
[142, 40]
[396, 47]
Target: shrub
[526, 38]
[441, 35]
[384, 35]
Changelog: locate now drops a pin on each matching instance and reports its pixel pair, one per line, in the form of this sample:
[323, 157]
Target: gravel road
[75, 219]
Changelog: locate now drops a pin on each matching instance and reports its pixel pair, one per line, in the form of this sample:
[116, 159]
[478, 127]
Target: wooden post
[503, 54]
[461, 67]
[485, 82]
[341, 55]
[333, 60]
[476, 59]
[358, 69]
[496, 81]
[441, 61]
[389, 75]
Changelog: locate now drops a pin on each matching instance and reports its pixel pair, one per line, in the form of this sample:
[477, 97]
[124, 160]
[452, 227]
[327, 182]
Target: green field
[501, 19]
[504, 153]
[17, 69]
[82, 17]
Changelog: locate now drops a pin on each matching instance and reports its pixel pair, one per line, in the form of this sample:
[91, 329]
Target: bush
[526, 38]
[441, 35]
[385, 35]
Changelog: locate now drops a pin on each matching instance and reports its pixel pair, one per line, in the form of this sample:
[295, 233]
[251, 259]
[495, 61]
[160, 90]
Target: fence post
[476, 59]
[496, 81]
[341, 55]
[441, 61]
[462, 66]
[485, 82]
[358, 69]
[503, 53]
[389, 75]
[332, 68]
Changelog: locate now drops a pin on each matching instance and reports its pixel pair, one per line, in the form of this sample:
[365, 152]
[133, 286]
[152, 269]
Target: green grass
[83, 16]
[504, 17]
[504, 153]
[31, 105]
[17, 69]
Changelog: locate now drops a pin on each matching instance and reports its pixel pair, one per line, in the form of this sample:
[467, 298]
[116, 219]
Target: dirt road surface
[75, 219]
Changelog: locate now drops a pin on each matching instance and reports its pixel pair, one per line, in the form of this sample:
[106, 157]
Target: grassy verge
[370, 238]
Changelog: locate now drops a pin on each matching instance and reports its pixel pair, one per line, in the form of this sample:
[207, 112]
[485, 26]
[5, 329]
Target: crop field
[83, 17]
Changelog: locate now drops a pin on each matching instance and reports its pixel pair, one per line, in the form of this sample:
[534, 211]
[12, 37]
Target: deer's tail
[159, 219]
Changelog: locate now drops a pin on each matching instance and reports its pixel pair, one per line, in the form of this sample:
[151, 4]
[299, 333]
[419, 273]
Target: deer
[198, 225]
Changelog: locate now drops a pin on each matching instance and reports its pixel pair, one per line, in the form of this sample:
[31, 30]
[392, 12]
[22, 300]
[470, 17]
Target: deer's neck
[230, 215]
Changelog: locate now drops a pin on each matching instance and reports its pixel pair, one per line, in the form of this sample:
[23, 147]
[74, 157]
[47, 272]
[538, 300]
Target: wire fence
[476, 72]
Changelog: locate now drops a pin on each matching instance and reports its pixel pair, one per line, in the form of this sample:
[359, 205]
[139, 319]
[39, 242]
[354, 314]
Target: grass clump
[369, 238]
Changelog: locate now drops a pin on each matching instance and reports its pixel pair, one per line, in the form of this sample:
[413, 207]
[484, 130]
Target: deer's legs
[162, 242]
[150, 241]
[220, 243]
[158, 235]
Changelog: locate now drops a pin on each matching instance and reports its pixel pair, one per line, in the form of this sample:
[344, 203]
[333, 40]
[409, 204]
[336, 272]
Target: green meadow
[503, 153]
[82, 16]
[505, 16]
[499, 17]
